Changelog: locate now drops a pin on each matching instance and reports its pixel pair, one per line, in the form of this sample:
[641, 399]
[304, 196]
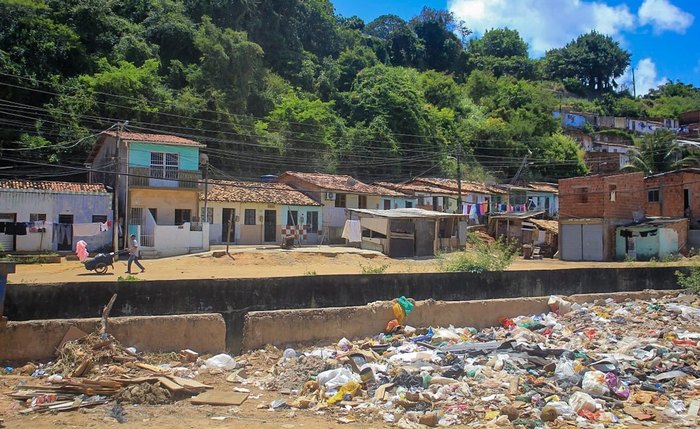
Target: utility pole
[228, 233]
[120, 128]
[459, 181]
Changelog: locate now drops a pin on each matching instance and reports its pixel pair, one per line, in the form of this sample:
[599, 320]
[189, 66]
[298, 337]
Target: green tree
[593, 59]
[656, 152]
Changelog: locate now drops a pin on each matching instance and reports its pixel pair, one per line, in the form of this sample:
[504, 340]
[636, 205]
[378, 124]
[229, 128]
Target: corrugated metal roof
[256, 192]
[52, 186]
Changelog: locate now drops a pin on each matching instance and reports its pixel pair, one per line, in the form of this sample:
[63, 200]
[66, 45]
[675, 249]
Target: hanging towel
[478, 209]
[86, 229]
[352, 231]
[2, 227]
[105, 226]
[81, 250]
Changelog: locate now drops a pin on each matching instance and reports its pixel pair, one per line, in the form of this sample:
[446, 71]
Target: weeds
[690, 281]
[378, 269]
[480, 257]
[128, 278]
[310, 273]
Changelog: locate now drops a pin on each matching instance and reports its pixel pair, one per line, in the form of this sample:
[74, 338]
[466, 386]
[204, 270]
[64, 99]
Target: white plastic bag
[221, 361]
[334, 378]
[582, 401]
[594, 383]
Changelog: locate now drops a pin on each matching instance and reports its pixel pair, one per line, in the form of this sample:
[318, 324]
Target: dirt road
[272, 262]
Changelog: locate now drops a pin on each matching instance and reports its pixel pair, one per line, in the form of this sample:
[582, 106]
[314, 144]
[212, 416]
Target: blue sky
[662, 35]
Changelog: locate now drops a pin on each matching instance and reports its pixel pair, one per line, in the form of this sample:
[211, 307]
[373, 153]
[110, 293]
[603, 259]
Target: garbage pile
[601, 364]
[95, 369]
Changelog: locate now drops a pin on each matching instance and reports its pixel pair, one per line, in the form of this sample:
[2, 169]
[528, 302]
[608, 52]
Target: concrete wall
[233, 298]
[165, 201]
[286, 327]
[140, 154]
[38, 339]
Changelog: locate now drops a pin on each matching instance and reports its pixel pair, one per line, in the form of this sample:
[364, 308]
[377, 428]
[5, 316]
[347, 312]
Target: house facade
[156, 177]
[543, 196]
[590, 210]
[259, 213]
[54, 216]
[337, 193]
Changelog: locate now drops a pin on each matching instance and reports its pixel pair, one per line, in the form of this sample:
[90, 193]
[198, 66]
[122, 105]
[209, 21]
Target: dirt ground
[272, 262]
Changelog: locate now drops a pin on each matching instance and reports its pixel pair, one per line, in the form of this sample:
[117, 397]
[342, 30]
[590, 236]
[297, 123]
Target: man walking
[133, 254]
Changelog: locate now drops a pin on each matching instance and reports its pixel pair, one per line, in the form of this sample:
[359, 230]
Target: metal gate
[7, 242]
[582, 242]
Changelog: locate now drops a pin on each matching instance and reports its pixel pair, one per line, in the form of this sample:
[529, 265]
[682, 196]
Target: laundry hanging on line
[15, 228]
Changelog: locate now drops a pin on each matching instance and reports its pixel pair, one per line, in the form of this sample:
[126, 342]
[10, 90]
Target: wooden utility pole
[120, 128]
[228, 233]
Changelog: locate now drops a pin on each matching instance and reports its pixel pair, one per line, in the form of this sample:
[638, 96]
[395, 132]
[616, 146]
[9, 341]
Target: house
[338, 192]
[526, 228]
[473, 193]
[590, 210]
[425, 196]
[652, 238]
[406, 232]
[156, 180]
[674, 194]
[57, 214]
[543, 196]
[259, 212]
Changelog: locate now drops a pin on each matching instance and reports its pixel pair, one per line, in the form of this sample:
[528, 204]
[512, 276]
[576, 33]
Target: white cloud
[664, 16]
[545, 24]
[696, 69]
[645, 77]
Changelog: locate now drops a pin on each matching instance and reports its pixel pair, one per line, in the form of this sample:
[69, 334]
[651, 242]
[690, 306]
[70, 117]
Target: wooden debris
[72, 334]
[105, 314]
[215, 397]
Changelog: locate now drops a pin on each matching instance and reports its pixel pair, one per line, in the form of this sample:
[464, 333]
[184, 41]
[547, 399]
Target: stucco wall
[165, 201]
[140, 154]
[81, 205]
[233, 298]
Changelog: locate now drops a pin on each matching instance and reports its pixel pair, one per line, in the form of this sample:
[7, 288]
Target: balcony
[145, 177]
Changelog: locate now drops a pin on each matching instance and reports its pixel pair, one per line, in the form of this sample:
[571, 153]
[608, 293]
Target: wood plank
[189, 383]
[170, 385]
[217, 397]
[151, 368]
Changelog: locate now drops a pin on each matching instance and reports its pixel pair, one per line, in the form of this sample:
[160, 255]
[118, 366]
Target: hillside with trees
[273, 85]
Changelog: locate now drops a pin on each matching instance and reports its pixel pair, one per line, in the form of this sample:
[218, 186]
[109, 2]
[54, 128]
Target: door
[7, 242]
[270, 226]
[592, 238]
[425, 237]
[65, 239]
[228, 215]
[571, 248]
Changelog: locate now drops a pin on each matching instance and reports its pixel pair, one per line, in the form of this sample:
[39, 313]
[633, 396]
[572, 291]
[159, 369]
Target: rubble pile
[602, 364]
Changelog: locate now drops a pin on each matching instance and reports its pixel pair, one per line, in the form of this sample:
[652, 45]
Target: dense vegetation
[271, 85]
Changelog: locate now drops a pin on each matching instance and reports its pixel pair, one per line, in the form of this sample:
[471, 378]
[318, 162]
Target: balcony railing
[158, 178]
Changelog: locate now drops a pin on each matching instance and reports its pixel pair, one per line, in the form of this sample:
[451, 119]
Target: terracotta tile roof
[386, 191]
[256, 192]
[333, 182]
[467, 186]
[154, 138]
[52, 186]
[413, 187]
[550, 225]
[544, 187]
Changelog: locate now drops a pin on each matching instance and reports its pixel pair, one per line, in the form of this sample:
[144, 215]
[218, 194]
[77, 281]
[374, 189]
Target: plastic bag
[221, 361]
[562, 409]
[350, 388]
[594, 383]
[565, 372]
[334, 378]
[406, 305]
[582, 401]
[399, 315]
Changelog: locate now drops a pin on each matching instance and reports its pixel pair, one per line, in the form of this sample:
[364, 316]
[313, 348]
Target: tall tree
[656, 152]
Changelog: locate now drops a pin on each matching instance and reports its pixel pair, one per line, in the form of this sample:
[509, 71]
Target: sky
[663, 36]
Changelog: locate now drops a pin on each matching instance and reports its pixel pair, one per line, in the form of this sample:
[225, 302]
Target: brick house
[590, 210]
[674, 194]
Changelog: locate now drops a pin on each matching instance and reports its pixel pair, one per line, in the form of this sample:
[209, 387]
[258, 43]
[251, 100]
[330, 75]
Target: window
[292, 217]
[41, 217]
[340, 200]
[613, 192]
[409, 204]
[210, 214]
[387, 204]
[154, 214]
[164, 165]
[249, 217]
[362, 201]
[583, 195]
[99, 218]
[182, 216]
[653, 196]
[312, 219]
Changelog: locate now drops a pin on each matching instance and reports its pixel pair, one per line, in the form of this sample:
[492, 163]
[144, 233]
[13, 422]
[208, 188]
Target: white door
[7, 242]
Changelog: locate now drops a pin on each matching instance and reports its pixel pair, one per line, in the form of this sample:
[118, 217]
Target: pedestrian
[133, 254]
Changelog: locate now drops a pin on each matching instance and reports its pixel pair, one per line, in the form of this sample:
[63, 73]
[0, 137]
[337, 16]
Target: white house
[53, 216]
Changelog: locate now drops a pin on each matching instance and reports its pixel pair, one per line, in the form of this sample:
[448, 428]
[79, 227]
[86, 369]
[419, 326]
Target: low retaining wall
[38, 339]
[288, 327]
[233, 298]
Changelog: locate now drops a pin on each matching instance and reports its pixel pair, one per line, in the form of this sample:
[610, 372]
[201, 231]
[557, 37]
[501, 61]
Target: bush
[690, 281]
[380, 269]
[481, 257]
